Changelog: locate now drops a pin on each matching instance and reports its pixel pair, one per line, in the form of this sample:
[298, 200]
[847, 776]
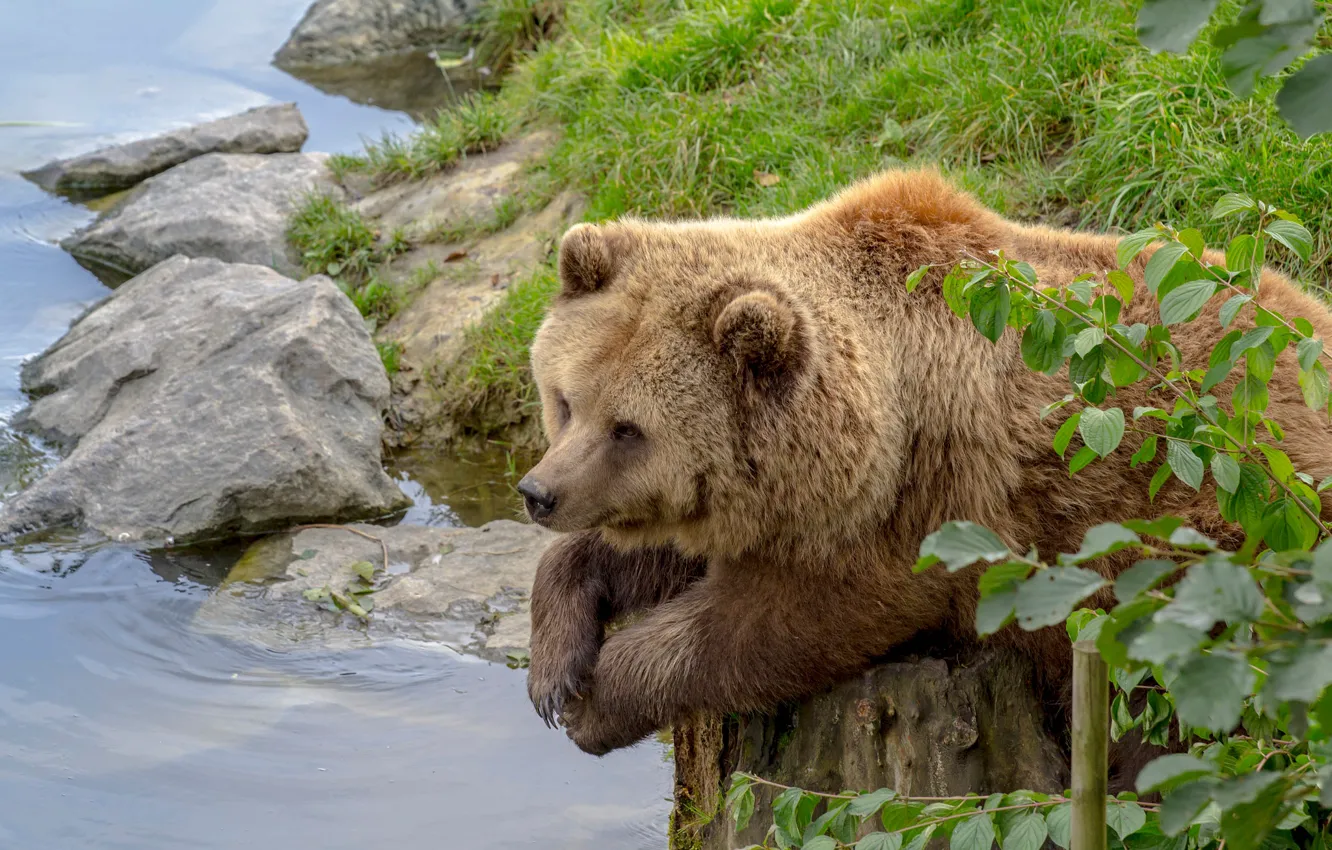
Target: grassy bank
[1048, 110]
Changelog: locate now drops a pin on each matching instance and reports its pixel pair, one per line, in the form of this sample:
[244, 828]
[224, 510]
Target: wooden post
[1091, 740]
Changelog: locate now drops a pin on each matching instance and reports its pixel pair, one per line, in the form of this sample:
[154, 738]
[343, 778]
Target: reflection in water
[123, 727]
[408, 82]
[468, 486]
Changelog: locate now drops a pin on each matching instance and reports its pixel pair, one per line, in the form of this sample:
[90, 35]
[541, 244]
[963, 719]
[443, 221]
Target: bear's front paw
[560, 672]
[598, 732]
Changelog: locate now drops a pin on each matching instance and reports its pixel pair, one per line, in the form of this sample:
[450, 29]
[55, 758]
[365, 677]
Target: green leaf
[1161, 263]
[1314, 385]
[740, 800]
[1169, 772]
[1158, 480]
[791, 812]
[1226, 471]
[1192, 239]
[953, 290]
[867, 804]
[1211, 592]
[1184, 301]
[1131, 246]
[1048, 597]
[1181, 806]
[1288, 527]
[995, 611]
[913, 280]
[989, 310]
[1043, 343]
[960, 544]
[1102, 540]
[1293, 236]
[1124, 817]
[1299, 674]
[1303, 100]
[317, 594]
[1240, 254]
[1122, 283]
[1002, 576]
[1065, 433]
[1231, 203]
[1278, 461]
[1259, 46]
[820, 842]
[1102, 430]
[1172, 25]
[1059, 823]
[1084, 456]
[1248, 505]
[1188, 467]
[1163, 641]
[365, 570]
[1308, 350]
[880, 841]
[1251, 806]
[1141, 577]
[973, 833]
[1024, 831]
[1145, 453]
[1087, 339]
[1210, 689]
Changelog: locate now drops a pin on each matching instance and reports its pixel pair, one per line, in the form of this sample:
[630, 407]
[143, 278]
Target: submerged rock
[203, 399]
[266, 129]
[336, 32]
[231, 207]
[466, 588]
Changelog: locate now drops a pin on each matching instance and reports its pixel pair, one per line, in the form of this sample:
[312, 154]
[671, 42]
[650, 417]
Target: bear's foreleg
[582, 584]
[733, 646]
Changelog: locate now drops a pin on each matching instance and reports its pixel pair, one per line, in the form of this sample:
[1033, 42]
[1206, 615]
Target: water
[121, 726]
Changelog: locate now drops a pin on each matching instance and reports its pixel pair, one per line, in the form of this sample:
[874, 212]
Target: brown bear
[753, 425]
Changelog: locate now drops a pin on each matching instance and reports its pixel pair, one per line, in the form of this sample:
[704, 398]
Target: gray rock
[265, 129]
[336, 32]
[465, 588]
[203, 399]
[232, 207]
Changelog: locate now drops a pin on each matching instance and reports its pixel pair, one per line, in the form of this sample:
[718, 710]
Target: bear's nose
[539, 500]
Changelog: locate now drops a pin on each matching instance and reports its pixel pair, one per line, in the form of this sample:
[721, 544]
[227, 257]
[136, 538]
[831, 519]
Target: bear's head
[696, 390]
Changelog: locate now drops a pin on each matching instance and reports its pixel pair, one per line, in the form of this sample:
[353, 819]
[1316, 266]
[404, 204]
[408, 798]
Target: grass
[332, 238]
[390, 353]
[1048, 109]
[478, 123]
[490, 385]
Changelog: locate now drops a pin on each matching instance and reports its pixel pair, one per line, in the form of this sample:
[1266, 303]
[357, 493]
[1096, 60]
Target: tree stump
[922, 726]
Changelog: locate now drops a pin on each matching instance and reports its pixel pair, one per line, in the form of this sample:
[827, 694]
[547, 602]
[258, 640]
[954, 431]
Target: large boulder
[203, 399]
[266, 129]
[925, 727]
[465, 588]
[337, 32]
[231, 207]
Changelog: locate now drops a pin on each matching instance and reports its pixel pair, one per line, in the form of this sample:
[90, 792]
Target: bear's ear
[587, 260]
[765, 335]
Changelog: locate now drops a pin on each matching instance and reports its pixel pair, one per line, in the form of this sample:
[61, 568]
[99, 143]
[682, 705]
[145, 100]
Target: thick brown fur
[753, 425]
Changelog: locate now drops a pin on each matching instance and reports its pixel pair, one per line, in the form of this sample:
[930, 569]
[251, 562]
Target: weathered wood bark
[925, 727]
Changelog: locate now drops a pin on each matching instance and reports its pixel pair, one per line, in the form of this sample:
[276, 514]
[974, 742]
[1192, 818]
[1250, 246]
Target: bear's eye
[626, 431]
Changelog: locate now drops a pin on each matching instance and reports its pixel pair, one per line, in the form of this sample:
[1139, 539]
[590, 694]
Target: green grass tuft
[491, 385]
[509, 29]
[478, 123]
[332, 238]
[390, 353]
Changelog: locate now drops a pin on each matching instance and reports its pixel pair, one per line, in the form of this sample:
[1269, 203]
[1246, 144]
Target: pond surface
[121, 726]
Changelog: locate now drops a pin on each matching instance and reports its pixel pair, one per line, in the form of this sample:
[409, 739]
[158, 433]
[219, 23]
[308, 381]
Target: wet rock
[465, 588]
[266, 129]
[231, 207]
[203, 399]
[923, 727]
[336, 32]
[408, 82]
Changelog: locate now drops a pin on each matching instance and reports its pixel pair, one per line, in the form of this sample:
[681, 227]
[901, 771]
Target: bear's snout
[538, 498]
